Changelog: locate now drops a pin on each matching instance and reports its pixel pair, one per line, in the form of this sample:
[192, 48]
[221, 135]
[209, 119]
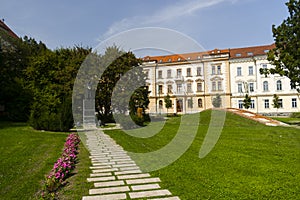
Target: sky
[212, 23]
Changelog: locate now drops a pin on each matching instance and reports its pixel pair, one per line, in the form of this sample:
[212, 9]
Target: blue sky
[212, 23]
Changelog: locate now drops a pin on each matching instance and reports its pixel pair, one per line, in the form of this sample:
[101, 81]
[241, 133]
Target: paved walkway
[257, 117]
[116, 176]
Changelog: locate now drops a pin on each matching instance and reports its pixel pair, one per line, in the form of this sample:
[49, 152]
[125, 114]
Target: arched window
[200, 105]
[279, 85]
[266, 86]
[160, 103]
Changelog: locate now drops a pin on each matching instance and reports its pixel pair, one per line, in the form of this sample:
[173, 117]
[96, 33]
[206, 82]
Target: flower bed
[62, 167]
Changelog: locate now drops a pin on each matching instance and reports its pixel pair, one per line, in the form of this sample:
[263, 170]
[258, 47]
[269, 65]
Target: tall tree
[51, 77]
[247, 101]
[168, 102]
[118, 63]
[286, 54]
[217, 101]
[276, 103]
[15, 56]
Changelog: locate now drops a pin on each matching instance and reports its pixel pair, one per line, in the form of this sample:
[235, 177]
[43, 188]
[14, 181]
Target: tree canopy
[247, 101]
[286, 54]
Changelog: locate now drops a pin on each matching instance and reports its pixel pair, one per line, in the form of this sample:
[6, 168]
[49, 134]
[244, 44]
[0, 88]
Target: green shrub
[295, 115]
[46, 117]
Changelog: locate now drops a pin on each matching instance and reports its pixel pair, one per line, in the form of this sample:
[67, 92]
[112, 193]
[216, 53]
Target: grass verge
[249, 161]
[77, 185]
[26, 157]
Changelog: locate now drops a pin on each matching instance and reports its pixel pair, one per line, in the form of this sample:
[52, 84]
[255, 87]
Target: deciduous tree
[286, 54]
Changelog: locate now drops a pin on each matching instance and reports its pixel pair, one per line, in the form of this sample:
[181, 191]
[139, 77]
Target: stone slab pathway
[116, 176]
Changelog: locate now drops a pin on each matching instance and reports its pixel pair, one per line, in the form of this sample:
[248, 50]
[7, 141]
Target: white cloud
[166, 14]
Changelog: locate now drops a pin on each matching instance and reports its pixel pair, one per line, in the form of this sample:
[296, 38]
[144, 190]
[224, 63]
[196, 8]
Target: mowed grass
[27, 156]
[249, 161]
[288, 120]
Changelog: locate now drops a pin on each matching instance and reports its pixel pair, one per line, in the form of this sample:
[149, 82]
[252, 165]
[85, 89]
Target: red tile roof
[185, 56]
[250, 51]
[4, 27]
[234, 53]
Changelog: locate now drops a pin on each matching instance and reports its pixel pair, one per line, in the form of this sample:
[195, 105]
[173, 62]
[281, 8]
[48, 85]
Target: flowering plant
[64, 165]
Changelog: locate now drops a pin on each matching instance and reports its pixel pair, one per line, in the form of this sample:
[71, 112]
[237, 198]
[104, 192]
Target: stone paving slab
[109, 190]
[101, 167]
[120, 159]
[104, 170]
[133, 176]
[129, 168]
[125, 162]
[154, 193]
[125, 165]
[101, 174]
[144, 180]
[100, 163]
[166, 198]
[109, 183]
[128, 172]
[145, 187]
[105, 178]
[106, 197]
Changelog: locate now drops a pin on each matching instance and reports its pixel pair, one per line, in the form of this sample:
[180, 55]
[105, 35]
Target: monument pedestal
[89, 117]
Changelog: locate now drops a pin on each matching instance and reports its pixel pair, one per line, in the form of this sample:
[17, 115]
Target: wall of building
[232, 74]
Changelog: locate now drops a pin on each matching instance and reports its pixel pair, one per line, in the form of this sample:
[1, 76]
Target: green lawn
[288, 120]
[250, 161]
[27, 156]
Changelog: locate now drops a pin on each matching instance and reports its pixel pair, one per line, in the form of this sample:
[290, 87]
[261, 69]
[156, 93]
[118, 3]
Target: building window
[218, 70]
[188, 72]
[265, 66]
[189, 87]
[160, 61]
[190, 103]
[179, 88]
[200, 104]
[240, 87]
[170, 60]
[250, 53]
[214, 88]
[169, 73]
[179, 59]
[294, 103]
[252, 105]
[179, 73]
[213, 69]
[293, 86]
[250, 69]
[239, 71]
[267, 103]
[240, 104]
[280, 103]
[160, 103]
[147, 74]
[160, 74]
[198, 71]
[251, 87]
[170, 89]
[219, 85]
[160, 87]
[199, 87]
[279, 85]
[238, 55]
[266, 86]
